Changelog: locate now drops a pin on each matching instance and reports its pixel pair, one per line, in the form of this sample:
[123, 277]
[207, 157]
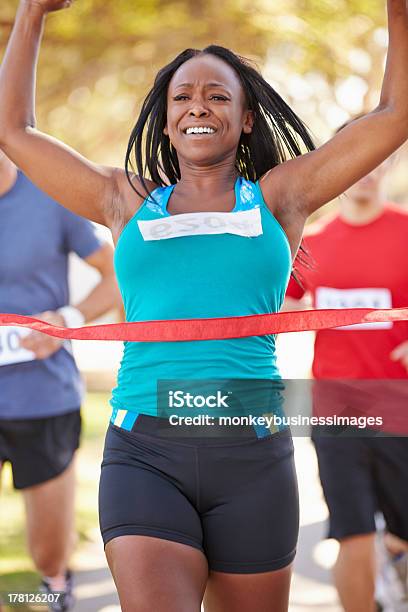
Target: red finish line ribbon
[213, 329]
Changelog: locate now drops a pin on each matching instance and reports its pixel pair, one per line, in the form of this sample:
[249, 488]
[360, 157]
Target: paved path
[311, 589]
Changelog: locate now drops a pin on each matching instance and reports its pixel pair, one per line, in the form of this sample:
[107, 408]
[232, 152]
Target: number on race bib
[10, 349]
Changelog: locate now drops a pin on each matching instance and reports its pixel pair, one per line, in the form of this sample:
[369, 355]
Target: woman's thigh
[250, 537]
[155, 574]
[251, 518]
[265, 592]
[151, 529]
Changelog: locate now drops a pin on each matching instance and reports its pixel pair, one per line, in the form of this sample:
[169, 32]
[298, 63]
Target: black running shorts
[39, 449]
[361, 476]
[234, 499]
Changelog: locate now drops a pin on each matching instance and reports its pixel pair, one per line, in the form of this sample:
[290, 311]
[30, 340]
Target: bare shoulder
[127, 199]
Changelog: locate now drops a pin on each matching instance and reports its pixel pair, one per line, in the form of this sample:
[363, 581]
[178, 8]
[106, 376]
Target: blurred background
[326, 58]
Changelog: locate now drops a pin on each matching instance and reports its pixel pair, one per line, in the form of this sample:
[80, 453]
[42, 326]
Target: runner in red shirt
[355, 259]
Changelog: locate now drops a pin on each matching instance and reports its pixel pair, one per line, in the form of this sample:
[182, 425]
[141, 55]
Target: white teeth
[200, 130]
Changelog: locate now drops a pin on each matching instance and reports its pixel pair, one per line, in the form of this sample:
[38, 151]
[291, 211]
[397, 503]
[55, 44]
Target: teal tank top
[198, 265]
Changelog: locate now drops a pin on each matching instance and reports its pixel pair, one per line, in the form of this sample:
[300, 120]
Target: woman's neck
[209, 182]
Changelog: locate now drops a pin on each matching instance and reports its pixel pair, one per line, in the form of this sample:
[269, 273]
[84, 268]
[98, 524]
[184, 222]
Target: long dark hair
[277, 135]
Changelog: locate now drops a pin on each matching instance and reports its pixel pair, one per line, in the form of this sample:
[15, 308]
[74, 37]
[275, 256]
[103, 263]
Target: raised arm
[85, 188]
[312, 180]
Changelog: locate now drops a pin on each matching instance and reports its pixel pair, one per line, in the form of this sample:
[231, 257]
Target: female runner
[216, 518]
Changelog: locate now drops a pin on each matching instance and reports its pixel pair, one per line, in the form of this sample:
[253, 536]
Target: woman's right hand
[48, 6]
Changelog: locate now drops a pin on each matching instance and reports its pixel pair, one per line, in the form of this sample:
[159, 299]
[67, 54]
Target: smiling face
[206, 111]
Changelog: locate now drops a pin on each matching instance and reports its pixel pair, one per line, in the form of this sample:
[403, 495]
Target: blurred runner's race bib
[327, 297]
[10, 349]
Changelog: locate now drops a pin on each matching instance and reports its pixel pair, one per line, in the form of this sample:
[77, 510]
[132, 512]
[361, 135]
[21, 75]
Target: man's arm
[105, 296]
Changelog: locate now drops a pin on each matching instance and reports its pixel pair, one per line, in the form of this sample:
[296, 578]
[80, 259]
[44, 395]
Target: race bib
[10, 350]
[326, 297]
[245, 223]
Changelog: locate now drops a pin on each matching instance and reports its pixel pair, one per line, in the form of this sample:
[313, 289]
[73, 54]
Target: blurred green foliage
[100, 57]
